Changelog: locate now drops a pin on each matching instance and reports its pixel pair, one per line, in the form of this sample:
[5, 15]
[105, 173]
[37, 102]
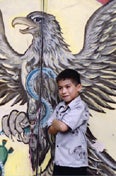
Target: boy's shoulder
[78, 103]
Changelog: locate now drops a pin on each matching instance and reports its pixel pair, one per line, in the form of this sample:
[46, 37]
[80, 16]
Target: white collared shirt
[71, 146]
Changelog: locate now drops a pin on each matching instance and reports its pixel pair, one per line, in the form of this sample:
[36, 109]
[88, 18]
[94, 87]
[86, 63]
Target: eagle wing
[10, 71]
[97, 60]
[97, 66]
[10, 85]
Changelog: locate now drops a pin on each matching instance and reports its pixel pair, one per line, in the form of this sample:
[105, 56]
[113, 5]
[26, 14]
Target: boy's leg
[60, 171]
[69, 171]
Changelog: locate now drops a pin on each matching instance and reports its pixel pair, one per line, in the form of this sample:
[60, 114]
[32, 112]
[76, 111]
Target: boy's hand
[59, 125]
[56, 124]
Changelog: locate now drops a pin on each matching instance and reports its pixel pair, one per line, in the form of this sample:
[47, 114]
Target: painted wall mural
[38, 39]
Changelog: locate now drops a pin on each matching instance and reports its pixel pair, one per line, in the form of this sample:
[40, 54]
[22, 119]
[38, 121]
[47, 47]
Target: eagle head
[37, 22]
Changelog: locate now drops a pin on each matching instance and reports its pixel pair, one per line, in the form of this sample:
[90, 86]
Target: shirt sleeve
[52, 117]
[76, 117]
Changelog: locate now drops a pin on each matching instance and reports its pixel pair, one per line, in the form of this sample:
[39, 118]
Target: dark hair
[69, 74]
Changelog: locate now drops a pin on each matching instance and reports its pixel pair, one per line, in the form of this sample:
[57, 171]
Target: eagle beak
[23, 21]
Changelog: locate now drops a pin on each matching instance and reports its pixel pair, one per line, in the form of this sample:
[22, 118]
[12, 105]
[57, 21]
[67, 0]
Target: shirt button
[57, 146]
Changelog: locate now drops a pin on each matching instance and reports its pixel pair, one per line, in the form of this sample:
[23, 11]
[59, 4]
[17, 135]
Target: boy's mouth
[66, 96]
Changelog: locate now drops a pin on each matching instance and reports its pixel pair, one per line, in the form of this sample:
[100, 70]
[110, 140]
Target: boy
[69, 123]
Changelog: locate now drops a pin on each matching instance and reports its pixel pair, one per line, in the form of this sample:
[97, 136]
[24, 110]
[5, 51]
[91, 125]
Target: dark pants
[61, 170]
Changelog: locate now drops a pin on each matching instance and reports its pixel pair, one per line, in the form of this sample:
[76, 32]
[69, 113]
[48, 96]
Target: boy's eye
[59, 88]
[67, 87]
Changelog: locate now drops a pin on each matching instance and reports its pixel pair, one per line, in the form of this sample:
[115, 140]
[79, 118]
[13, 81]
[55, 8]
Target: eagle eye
[37, 19]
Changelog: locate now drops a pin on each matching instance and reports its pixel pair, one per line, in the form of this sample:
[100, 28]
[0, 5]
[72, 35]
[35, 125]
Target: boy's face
[68, 90]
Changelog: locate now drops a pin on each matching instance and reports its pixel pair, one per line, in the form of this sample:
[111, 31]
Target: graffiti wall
[38, 39]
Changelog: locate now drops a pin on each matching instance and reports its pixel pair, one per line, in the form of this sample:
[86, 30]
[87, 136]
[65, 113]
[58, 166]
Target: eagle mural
[29, 78]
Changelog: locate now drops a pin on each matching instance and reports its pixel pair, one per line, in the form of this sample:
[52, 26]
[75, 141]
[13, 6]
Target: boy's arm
[52, 130]
[57, 126]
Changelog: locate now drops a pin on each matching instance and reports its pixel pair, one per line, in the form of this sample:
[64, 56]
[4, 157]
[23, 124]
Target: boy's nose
[63, 90]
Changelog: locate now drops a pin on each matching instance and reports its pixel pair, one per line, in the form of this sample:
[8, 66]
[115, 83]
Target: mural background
[72, 16]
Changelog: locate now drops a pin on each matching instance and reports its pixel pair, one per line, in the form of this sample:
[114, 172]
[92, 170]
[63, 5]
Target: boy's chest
[62, 111]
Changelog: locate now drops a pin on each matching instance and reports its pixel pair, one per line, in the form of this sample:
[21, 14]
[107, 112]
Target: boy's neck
[67, 103]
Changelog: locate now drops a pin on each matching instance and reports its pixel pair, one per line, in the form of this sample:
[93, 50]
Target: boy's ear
[79, 87]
